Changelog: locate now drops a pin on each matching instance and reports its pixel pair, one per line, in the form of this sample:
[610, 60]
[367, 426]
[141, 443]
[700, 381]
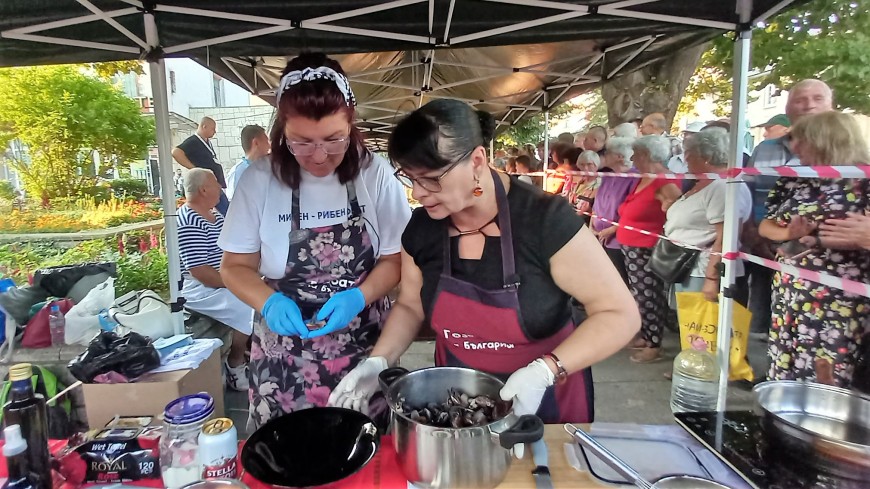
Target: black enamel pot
[314, 447]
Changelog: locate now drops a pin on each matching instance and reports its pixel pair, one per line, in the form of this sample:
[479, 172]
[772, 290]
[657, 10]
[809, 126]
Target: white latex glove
[526, 388]
[358, 386]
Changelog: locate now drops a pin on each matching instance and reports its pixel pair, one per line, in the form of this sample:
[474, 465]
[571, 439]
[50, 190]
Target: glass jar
[183, 420]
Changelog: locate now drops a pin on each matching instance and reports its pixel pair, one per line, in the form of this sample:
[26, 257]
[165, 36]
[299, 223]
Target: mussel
[460, 410]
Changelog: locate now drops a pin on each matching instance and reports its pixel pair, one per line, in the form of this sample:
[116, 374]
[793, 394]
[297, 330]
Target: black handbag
[671, 262]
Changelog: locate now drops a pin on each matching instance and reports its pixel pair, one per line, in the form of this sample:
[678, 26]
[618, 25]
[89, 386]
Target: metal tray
[652, 459]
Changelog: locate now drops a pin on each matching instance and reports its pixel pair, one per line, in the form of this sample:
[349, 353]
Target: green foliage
[825, 39]
[63, 116]
[530, 130]
[7, 190]
[131, 188]
[137, 270]
[596, 109]
[708, 80]
[109, 69]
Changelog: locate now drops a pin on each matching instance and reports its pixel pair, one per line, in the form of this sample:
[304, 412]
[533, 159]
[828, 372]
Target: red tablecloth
[382, 472]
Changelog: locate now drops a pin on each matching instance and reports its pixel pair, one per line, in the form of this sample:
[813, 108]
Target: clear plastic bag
[83, 321]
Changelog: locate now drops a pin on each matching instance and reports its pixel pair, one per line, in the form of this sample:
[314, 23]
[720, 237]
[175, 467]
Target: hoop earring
[478, 190]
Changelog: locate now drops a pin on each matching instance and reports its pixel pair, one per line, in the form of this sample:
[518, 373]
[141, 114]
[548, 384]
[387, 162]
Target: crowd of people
[311, 231]
[814, 332]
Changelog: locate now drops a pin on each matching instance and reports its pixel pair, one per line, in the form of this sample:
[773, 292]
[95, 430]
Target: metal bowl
[829, 425]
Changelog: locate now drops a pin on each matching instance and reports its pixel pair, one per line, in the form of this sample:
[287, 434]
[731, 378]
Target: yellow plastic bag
[699, 317]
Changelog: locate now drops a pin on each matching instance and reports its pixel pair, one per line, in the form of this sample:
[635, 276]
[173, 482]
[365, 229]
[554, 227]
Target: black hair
[525, 160]
[438, 134]
[249, 134]
[569, 155]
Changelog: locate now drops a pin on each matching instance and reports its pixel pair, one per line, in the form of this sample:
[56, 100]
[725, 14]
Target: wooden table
[564, 476]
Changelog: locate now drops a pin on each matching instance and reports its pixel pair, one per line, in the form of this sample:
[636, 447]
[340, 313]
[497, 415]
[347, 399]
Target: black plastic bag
[58, 281]
[131, 356]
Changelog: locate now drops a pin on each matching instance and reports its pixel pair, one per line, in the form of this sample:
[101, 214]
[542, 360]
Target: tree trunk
[655, 88]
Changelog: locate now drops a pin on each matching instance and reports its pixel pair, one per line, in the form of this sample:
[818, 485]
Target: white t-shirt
[692, 219]
[259, 219]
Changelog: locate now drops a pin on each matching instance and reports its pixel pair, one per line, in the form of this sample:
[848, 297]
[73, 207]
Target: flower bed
[79, 215]
[141, 259]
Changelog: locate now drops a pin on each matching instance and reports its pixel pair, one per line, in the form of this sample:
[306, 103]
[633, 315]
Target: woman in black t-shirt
[491, 264]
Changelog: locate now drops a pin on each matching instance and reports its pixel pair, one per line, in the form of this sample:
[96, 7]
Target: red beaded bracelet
[562, 374]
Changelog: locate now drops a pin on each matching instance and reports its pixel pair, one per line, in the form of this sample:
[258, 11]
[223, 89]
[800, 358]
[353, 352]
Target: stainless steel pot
[631, 475]
[822, 425]
[455, 458]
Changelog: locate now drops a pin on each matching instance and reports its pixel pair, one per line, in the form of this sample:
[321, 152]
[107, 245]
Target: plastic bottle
[27, 409]
[695, 384]
[17, 467]
[57, 325]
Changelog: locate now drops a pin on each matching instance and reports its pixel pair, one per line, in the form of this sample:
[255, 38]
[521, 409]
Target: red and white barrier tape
[648, 233]
[862, 171]
[851, 286]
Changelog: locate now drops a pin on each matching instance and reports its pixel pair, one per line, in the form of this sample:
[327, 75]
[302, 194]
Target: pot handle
[528, 429]
[390, 375]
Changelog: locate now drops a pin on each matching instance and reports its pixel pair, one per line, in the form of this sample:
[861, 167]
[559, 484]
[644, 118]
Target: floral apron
[287, 372]
[482, 329]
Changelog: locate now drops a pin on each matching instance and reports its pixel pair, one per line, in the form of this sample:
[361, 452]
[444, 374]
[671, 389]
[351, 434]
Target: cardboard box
[150, 395]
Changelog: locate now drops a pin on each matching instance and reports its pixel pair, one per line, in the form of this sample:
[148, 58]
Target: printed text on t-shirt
[322, 214]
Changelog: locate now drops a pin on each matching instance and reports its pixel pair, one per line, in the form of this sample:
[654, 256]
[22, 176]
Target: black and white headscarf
[320, 73]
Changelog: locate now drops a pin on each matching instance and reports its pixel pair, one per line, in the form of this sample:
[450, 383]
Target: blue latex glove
[283, 316]
[340, 309]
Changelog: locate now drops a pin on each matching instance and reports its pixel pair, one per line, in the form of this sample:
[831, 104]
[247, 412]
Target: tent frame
[150, 48]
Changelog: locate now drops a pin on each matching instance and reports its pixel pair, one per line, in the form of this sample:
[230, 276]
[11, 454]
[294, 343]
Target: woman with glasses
[492, 264]
[312, 242]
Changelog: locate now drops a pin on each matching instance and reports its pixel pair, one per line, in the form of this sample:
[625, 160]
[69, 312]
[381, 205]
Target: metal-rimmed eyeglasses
[332, 147]
[431, 184]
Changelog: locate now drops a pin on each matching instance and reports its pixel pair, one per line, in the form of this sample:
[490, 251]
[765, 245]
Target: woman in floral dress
[312, 242]
[816, 329]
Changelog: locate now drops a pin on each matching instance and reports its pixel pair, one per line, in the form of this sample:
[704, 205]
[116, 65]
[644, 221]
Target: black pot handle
[528, 429]
[390, 375]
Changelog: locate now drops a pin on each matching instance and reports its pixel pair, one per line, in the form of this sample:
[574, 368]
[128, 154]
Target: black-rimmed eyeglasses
[431, 184]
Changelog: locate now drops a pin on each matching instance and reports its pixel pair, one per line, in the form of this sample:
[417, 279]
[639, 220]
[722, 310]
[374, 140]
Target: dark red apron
[482, 329]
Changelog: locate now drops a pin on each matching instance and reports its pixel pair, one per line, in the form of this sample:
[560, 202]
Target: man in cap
[776, 127]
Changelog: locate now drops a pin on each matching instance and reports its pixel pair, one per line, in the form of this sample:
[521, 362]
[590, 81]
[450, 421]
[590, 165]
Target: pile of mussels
[459, 411]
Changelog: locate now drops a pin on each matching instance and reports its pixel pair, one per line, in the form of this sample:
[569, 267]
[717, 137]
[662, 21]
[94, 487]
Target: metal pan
[824, 425]
[625, 470]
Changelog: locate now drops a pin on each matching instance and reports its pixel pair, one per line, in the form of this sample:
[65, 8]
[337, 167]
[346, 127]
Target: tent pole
[546, 156]
[492, 150]
[732, 223]
[167, 187]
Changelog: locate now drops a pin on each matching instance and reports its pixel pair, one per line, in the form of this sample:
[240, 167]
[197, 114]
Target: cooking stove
[737, 438]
